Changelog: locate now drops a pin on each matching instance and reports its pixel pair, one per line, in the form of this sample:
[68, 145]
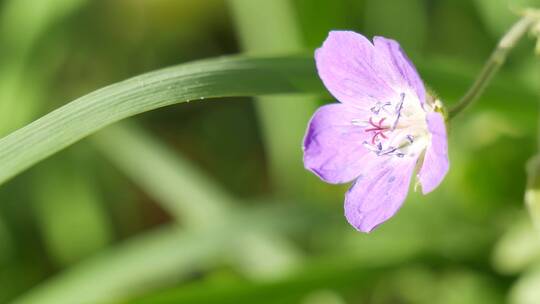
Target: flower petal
[436, 163]
[403, 72]
[378, 195]
[350, 69]
[333, 144]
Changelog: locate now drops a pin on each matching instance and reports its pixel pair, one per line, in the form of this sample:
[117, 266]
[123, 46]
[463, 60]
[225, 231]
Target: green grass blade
[152, 257]
[176, 184]
[233, 76]
[159, 257]
[192, 198]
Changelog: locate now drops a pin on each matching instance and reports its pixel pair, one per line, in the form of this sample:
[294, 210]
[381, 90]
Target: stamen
[391, 151]
[373, 148]
[388, 151]
[378, 150]
[358, 122]
[395, 129]
[380, 106]
[399, 106]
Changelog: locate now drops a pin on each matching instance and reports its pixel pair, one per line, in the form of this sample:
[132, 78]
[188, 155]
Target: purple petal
[435, 163]
[333, 144]
[378, 195]
[403, 71]
[351, 70]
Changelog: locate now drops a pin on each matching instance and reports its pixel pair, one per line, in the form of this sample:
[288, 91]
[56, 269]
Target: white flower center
[397, 127]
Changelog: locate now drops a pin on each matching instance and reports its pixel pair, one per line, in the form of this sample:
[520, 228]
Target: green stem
[495, 61]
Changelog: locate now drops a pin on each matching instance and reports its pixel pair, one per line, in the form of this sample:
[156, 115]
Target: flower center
[396, 128]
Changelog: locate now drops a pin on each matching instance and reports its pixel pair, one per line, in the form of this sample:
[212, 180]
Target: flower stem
[495, 61]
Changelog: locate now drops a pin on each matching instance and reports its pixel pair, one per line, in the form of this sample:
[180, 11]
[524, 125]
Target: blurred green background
[208, 202]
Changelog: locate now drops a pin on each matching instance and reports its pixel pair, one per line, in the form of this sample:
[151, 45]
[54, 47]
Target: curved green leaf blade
[222, 77]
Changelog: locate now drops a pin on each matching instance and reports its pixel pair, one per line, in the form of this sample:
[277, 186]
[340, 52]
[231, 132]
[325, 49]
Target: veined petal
[351, 70]
[436, 163]
[378, 195]
[333, 143]
[403, 73]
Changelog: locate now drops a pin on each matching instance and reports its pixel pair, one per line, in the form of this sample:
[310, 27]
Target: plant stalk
[495, 61]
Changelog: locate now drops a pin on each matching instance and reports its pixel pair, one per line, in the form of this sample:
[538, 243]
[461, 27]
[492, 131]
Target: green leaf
[223, 77]
[192, 198]
[181, 188]
[338, 275]
[320, 274]
[154, 259]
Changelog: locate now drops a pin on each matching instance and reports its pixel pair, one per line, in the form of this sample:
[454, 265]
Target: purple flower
[384, 127]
